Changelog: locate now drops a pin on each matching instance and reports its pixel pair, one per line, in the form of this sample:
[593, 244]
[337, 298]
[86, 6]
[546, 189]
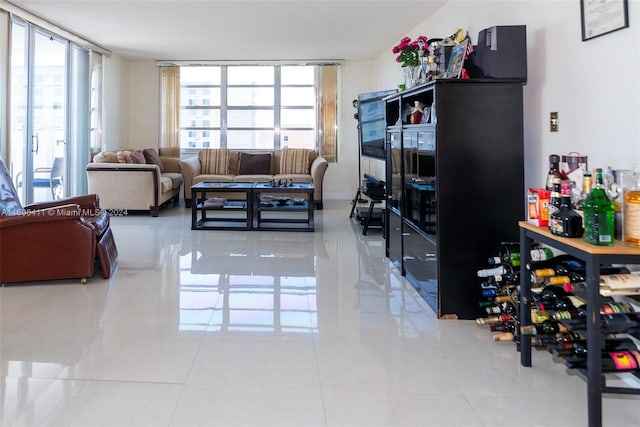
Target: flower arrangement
[409, 51]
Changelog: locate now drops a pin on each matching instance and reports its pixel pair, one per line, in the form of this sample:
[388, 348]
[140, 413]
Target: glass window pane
[250, 75]
[297, 118]
[250, 118]
[196, 138]
[244, 139]
[294, 96]
[199, 118]
[260, 96]
[297, 139]
[200, 96]
[200, 75]
[298, 75]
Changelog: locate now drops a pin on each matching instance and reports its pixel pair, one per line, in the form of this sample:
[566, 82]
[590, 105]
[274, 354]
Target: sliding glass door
[39, 113]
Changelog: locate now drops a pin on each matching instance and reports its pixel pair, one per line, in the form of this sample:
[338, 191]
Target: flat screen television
[371, 123]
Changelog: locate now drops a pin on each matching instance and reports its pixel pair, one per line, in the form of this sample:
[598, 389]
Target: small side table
[231, 215]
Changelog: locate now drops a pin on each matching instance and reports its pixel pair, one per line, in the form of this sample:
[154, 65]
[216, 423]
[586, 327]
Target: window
[248, 107]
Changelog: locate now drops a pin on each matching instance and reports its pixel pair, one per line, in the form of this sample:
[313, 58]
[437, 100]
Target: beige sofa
[134, 180]
[252, 166]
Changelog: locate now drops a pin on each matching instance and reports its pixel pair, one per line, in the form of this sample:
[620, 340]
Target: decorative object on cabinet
[456, 62]
[410, 54]
[603, 17]
[501, 52]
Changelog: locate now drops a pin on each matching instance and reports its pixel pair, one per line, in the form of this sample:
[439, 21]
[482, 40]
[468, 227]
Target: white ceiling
[238, 29]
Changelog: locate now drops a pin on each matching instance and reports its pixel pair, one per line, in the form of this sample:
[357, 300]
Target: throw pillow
[294, 161]
[152, 157]
[254, 164]
[214, 161]
[123, 156]
[136, 157]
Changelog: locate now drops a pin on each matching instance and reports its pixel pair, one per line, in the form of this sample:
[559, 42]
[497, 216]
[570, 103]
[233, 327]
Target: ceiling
[237, 29]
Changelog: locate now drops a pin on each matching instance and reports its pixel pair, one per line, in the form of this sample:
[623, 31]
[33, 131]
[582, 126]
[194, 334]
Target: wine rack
[593, 257]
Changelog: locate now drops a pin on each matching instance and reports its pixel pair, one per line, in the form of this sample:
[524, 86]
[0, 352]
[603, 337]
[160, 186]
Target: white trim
[168, 63]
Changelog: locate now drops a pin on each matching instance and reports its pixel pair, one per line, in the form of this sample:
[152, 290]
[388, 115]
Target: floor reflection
[249, 282]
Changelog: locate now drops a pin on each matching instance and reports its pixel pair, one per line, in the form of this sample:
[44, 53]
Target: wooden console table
[593, 256]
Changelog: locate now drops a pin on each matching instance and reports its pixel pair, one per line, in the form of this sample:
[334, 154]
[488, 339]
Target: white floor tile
[264, 328]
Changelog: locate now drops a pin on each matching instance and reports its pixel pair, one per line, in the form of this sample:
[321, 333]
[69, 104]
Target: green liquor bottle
[599, 223]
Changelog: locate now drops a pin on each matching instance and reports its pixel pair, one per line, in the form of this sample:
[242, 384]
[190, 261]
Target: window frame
[224, 108]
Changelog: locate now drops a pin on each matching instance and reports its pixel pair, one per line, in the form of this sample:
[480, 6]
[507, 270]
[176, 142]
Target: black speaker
[502, 52]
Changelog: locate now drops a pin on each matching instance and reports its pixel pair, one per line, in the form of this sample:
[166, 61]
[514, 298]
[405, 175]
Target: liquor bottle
[565, 222]
[586, 189]
[632, 211]
[599, 221]
[554, 171]
[556, 195]
[612, 361]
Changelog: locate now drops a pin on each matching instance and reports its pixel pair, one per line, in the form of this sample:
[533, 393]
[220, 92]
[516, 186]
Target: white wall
[116, 105]
[593, 85]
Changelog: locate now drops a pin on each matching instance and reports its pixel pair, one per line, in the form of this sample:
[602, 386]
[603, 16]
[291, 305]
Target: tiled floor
[264, 328]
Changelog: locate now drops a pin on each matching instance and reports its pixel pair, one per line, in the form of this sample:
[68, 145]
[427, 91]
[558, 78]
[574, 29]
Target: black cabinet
[394, 238]
[457, 182]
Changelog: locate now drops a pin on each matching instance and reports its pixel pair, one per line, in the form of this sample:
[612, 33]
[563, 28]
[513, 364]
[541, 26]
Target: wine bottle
[544, 253]
[599, 221]
[612, 361]
[510, 254]
[504, 336]
[548, 327]
[612, 344]
[565, 222]
[494, 320]
[487, 272]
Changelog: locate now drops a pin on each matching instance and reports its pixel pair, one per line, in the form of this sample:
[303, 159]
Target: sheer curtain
[4, 85]
[328, 112]
[170, 111]
[96, 140]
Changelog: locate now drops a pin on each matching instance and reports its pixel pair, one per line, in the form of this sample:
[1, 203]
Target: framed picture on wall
[456, 61]
[600, 17]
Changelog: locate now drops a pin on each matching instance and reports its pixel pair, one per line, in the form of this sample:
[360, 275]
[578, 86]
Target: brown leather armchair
[60, 239]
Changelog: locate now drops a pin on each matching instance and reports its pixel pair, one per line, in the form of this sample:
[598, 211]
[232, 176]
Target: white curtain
[170, 111]
[4, 85]
[96, 140]
[328, 112]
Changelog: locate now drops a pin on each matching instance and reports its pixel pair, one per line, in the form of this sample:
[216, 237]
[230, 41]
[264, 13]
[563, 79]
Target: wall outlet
[553, 121]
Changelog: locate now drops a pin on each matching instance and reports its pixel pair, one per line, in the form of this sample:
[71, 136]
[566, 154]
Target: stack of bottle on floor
[558, 307]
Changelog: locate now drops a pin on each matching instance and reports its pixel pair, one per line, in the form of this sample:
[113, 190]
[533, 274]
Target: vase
[411, 76]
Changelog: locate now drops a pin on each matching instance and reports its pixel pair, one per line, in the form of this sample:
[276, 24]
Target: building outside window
[248, 107]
